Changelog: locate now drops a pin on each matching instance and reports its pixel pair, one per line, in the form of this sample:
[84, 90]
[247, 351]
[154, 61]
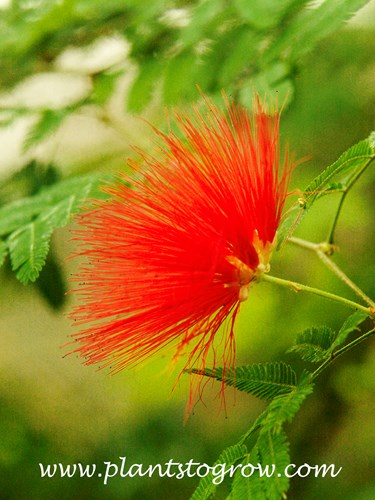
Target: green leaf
[270, 448]
[316, 344]
[274, 450]
[313, 344]
[335, 187]
[229, 456]
[23, 211]
[179, 84]
[204, 17]
[3, 252]
[219, 64]
[350, 324]
[49, 121]
[310, 26]
[264, 381]
[29, 245]
[273, 82]
[143, 86]
[248, 488]
[30, 222]
[240, 51]
[28, 249]
[18, 213]
[262, 14]
[104, 85]
[283, 408]
[355, 158]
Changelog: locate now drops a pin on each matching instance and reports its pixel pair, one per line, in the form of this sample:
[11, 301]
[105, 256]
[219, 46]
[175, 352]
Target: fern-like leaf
[29, 223]
[3, 252]
[229, 456]
[356, 158]
[274, 451]
[313, 344]
[28, 248]
[283, 408]
[21, 212]
[271, 447]
[310, 26]
[270, 455]
[247, 488]
[350, 324]
[264, 381]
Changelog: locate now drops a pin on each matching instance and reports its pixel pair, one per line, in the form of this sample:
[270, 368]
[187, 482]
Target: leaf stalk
[323, 250]
[299, 287]
[339, 352]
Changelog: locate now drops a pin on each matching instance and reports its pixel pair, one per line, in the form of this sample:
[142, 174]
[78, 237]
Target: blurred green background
[78, 78]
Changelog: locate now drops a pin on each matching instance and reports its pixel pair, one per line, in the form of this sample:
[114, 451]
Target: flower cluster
[170, 256]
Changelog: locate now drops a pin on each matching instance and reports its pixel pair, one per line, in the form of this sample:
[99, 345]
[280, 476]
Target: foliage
[271, 448]
[239, 46]
[263, 381]
[229, 457]
[27, 224]
[214, 44]
[277, 381]
[338, 177]
[211, 43]
[316, 344]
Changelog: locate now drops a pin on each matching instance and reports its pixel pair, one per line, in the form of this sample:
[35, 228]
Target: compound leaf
[313, 344]
[229, 456]
[264, 381]
[30, 222]
[355, 159]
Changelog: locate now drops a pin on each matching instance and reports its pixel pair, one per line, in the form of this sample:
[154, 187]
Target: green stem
[298, 287]
[348, 185]
[303, 243]
[336, 219]
[321, 250]
[341, 351]
[333, 267]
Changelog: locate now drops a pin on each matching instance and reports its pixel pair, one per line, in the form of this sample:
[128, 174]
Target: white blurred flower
[12, 157]
[176, 18]
[47, 91]
[99, 56]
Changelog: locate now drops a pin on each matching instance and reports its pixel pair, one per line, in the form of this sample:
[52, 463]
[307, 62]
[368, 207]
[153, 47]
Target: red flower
[171, 257]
